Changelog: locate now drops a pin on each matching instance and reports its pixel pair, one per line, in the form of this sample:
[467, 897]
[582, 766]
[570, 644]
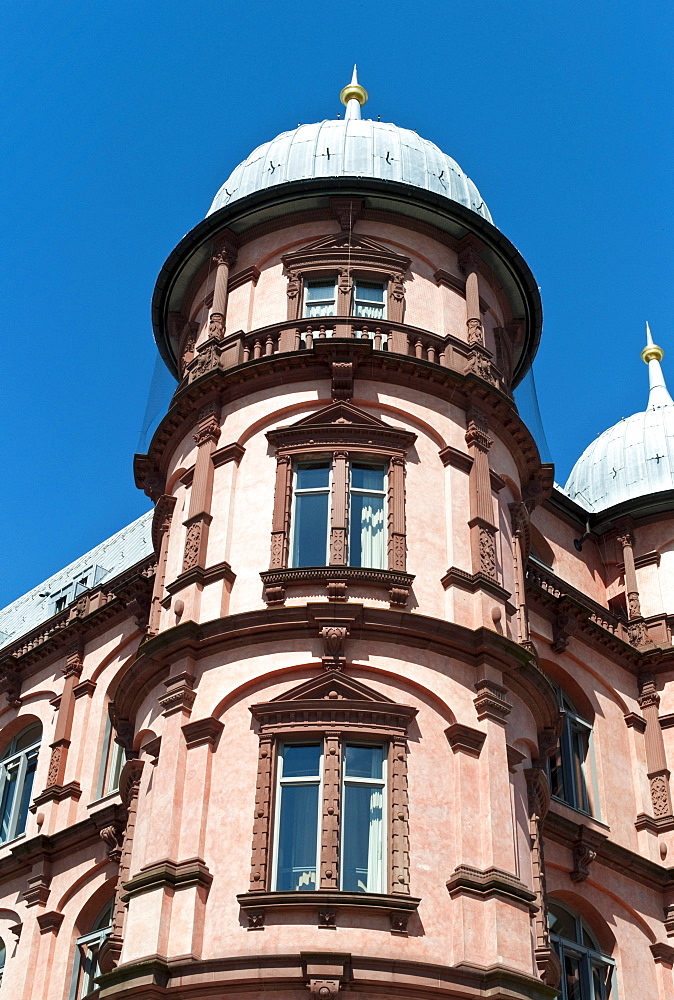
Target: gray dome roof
[633, 458]
[351, 147]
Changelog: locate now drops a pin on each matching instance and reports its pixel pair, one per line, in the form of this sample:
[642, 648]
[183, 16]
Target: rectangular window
[367, 529]
[112, 762]
[369, 300]
[320, 298]
[363, 810]
[311, 515]
[297, 807]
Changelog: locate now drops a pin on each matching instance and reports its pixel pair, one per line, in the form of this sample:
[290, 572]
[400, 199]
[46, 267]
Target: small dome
[351, 147]
[635, 457]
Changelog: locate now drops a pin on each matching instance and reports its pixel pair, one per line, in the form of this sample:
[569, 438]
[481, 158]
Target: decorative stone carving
[491, 701]
[669, 920]
[565, 624]
[216, 326]
[660, 795]
[334, 639]
[113, 838]
[477, 430]
[399, 920]
[10, 682]
[325, 988]
[342, 379]
[469, 259]
[487, 552]
[179, 695]
[465, 739]
[327, 918]
[633, 605]
[344, 283]
[255, 920]
[475, 333]
[205, 361]
[192, 545]
[54, 766]
[583, 856]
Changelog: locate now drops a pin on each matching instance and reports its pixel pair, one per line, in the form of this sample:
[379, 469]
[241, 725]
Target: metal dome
[351, 147]
[635, 457]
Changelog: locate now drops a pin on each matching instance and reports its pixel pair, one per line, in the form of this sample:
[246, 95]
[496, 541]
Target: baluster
[269, 346]
[246, 353]
[443, 358]
[418, 348]
[377, 338]
[257, 350]
[298, 340]
[431, 353]
[365, 335]
[309, 337]
[322, 332]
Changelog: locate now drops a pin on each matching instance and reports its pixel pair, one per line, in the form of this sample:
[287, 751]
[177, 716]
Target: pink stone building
[366, 704]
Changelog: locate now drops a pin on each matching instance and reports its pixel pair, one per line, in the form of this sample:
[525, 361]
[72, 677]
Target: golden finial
[353, 90]
[651, 351]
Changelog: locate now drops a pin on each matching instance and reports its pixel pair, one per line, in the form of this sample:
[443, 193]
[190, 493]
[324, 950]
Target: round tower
[338, 721]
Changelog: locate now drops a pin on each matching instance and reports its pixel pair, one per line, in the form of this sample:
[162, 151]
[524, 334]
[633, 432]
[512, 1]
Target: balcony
[294, 336]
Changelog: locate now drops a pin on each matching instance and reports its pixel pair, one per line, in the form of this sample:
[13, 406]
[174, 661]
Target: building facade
[366, 704]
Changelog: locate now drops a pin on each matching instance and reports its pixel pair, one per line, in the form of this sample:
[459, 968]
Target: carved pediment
[346, 249]
[333, 701]
[341, 424]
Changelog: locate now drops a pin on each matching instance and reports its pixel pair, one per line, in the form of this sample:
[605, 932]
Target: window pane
[364, 477]
[363, 762]
[601, 981]
[298, 830]
[8, 794]
[571, 974]
[579, 745]
[25, 797]
[313, 477]
[369, 291]
[557, 776]
[366, 531]
[362, 835]
[310, 529]
[302, 761]
[320, 290]
[28, 737]
[117, 763]
[562, 923]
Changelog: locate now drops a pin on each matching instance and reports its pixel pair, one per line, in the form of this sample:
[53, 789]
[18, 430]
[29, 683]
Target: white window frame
[19, 760]
[112, 756]
[281, 783]
[307, 491]
[382, 873]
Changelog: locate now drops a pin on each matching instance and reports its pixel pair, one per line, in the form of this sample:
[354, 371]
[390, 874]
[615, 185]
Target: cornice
[285, 624]
[314, 365]
[628, 863]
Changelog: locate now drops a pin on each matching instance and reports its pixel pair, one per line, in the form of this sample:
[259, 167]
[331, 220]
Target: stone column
[481, 523]
[340, 508]
[538, 797]
[223, 260]
[656, 760]
[637, 630]
[199, 514]
[56, 790]
[470, 262]
[397, 541]
[161, 524]
[519, 516]
[493, 709]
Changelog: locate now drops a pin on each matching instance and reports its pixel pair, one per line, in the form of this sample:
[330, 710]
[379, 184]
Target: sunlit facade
[365, 703]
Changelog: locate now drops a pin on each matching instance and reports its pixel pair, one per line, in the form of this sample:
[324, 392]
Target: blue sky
[121, 120]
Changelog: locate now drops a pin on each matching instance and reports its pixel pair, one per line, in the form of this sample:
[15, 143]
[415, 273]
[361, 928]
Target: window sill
[336, 579]
[326, 904]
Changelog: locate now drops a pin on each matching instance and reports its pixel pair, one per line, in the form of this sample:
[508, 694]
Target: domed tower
[339, 734]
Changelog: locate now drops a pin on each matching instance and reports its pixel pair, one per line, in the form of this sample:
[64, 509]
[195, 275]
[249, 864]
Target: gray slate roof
[104, 562]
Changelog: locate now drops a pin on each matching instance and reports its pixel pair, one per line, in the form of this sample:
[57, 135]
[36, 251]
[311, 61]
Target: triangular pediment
[345, 248]
[332, 687]
[341, 423]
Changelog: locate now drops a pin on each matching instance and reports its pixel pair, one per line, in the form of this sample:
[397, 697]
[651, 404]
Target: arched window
[586, 973]
[570, 766]
[17, 771]
[88, 948]
[3, 956]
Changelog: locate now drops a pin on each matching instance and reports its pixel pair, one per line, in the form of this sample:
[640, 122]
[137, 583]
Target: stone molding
[336, 580]
[473, 582]
[203, 732]
[326, 906]
[202, 576]
[466, 880]
[464, 739]
[56, 793]
[168, 874]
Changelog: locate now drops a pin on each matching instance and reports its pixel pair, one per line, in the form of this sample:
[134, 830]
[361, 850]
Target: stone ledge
[336, 580]
[492, 882]
[472, 582]
[326, 904]
[167, 873]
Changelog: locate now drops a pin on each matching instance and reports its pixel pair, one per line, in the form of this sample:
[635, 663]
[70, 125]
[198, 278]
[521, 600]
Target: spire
[353, 95]
[653, 355]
